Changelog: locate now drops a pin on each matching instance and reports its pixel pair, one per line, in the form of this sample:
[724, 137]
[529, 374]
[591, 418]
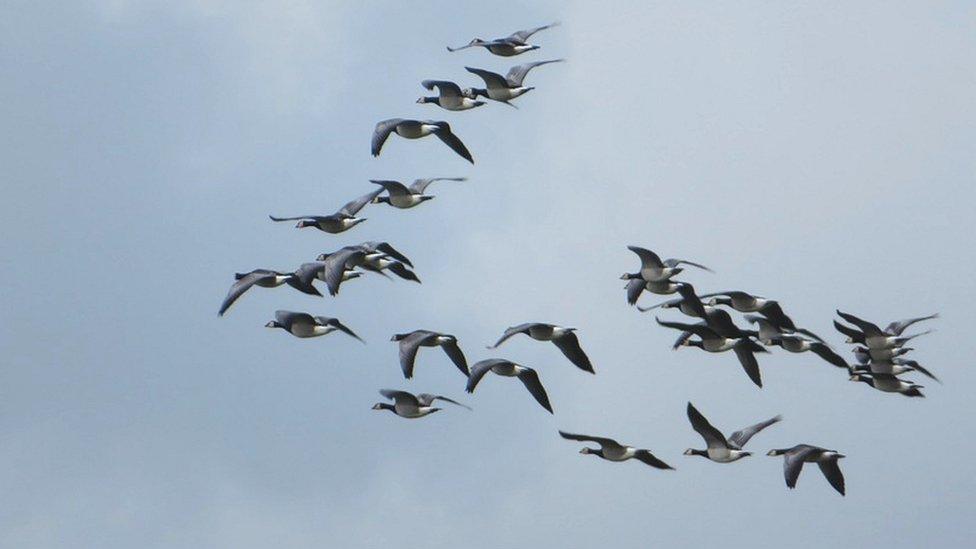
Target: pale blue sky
[822, 154]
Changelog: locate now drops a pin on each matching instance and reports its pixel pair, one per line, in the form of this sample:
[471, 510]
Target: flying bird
[449, 96]
[507, 368]
[769, 308]
[889, 384]
[720, 449]
[653, 269]
[513, 44]
[504, 88]
[870, 334]
[611, 450]
[770, 335]
[893, 366]
[341, 221]
[264, 278]
[403, 197]
[636, 286]
[563, 338]
[795, 457]
[710, 341]
[415, 129]
[305, 325]
[411, 406]
[411, 342]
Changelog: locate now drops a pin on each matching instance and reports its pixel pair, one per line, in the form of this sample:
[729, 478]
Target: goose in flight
[412, 406]
[264, 278]
[871, 335]
[513, 44]
[372, 256]
[341, 221]
[710, 341]
[636, 286]
[865, 355]
[403, 197]
[889, 384]
[893, 366]
[415, 129]
[769, 308]
[449, 96]
[720, 449]
[507, 368]
[504, 88]
[769, 335]
[611, 450]
[795, 457]
[305, 325]
[691, 305]
[653, 269]
[411, 342]
[563, 338]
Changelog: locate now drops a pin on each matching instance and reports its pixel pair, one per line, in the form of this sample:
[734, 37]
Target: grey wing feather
[676, 262]
[408, 350]
[647, 457]
[287, 318]
[352, 207]
[514, 330]
[492, 79]
[381, 133]
[826, 353]
[740, 438]
[335, 265]
[647, 257]
[427, 399]
[400, 396]
[479, 369]
[570, 347]
[899, 326]
[389, 250]
[445, 88]
[602, 441]
[810, 334]
[453, 351]
[273, 218]
[240, 286]
[655, 306]
[685, 336]
[713, 437]
[700, 330]
[774, 312]
[870, 329]
[635, 287]
[793, 464]
[335, 323]
[420, 185]
[517, 73]
[454, 142]
[530, 378]
[748, 361]
[831, 470]
[395, 188]
[523, 35]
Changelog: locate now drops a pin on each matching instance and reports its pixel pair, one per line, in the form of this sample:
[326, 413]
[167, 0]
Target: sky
[820, 154]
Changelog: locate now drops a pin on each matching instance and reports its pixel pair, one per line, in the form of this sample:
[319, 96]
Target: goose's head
[273, 324]
[776, 452]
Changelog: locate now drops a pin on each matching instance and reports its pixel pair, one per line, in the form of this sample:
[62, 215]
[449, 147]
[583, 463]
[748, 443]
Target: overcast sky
[819, 153]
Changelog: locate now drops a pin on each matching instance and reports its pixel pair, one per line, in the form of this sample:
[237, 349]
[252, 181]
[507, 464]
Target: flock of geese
[879, 354]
